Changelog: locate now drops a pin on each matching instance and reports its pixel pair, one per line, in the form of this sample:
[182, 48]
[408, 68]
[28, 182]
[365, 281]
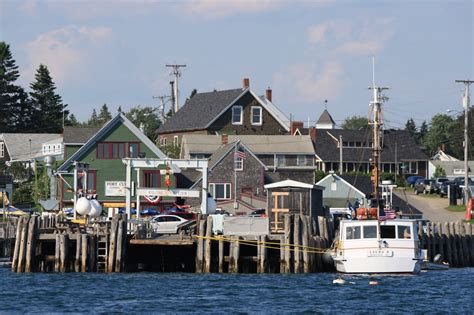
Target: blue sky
[115, 52]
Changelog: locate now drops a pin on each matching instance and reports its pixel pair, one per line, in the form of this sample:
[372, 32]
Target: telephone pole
[466, 105]
[177, 73]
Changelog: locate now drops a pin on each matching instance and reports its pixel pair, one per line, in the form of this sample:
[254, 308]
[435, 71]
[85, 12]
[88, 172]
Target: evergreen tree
[104, 115]
[94, 120]
[410, 126]
[119, 109]
[422, 133]
[13, 99]
[48, 106]
[72, 121]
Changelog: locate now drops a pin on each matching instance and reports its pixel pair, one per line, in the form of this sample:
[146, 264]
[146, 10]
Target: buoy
[339, 281]
[96, 209]
[373, 282]
[83, 206]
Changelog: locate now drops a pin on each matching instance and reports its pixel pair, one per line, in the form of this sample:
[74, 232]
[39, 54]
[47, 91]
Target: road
[433, 207]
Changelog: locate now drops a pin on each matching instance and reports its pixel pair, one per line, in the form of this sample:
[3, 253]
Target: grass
[460, 208]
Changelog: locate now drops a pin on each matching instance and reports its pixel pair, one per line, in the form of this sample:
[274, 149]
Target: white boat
[367, 246]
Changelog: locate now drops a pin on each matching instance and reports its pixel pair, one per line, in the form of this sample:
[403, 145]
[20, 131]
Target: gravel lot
[432, 206]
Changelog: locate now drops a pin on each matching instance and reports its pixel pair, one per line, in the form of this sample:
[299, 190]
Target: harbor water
[434, 291]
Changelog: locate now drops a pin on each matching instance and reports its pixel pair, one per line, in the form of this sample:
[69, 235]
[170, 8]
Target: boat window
[352, 232]
[387, 231]
[404, 231]
[370, 231]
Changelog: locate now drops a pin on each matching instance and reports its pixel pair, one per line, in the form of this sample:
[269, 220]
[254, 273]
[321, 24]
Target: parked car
[412, 179]
[458, 181]
[166, 223]
[422, 186]
[437, 183]
[257, 213]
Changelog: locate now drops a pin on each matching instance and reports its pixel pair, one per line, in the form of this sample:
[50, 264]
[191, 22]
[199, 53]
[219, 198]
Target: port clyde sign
[115, 189]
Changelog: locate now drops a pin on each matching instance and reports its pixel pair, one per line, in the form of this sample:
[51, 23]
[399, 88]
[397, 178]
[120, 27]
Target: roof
[27, 146]
[291, 183]
[79, 135]
[325, 118]
[258, 144]
[119, 118]
[450, 166]
[203, 109]
[397, 145]
[441, 156]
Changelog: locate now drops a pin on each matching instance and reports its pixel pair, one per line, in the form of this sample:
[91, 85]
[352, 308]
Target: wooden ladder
[102, 249]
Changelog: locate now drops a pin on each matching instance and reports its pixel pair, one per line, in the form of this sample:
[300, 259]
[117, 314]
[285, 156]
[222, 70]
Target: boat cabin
[362, 230]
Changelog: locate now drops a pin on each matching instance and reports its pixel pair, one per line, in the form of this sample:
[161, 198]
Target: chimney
[246, 83]
[224, 139]
[295, 125]
[312, 134]
[268, 94]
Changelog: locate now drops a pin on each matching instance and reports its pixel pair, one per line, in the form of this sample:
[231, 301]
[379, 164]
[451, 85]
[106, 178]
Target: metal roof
[27, 146]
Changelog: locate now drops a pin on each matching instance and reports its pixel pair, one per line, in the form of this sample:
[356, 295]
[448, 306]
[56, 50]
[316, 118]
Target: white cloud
[224, 8]
[301, 82]
[64, 50]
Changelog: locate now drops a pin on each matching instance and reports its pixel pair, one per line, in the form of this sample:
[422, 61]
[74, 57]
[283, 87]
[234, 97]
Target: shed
[290, 196]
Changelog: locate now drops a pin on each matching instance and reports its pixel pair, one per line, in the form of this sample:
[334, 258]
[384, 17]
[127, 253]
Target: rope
[256, 243]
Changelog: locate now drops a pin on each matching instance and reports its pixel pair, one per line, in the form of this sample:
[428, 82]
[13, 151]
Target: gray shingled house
[237, 111]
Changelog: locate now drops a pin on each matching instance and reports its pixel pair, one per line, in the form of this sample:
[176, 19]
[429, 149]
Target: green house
[103, 152]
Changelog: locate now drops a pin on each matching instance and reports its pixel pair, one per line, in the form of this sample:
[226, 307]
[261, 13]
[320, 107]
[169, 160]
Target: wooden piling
[16, 250]
[282, 254]
[305, 243]
[119, 246]
[318, 243]
[77, 261]
[263, 254]
[92, 253]
[236, 254]
[287, 241]
[207, 247]
[63, 252]
[30, 244]
[296, 243]
[452, 236]
[221, 256]
[22, 251]
[440, 240]
[447, 239]
[113, 244]
[231, 265]
[57, 251]
[465, 245]
[470, 229]
[200, 247]
[84, 251]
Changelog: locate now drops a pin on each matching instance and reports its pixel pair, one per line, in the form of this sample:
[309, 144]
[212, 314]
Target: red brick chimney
[268, 94]
[224, 139]
[295, 125]
[245, 83]
[312, 133]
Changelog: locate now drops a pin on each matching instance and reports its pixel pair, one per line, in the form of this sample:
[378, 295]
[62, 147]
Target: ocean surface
[429, 292]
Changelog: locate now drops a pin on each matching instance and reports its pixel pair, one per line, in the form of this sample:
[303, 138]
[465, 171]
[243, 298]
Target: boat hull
[378, 265]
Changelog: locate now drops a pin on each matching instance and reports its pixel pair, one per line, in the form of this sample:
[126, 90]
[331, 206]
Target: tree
[48, 108]
[439, 172]
[171, 150]
[119, 109]
[355, 123]
[442, 130]
[14, 109]
[422, 133]
[94, 120]
[410, 126]
[72, 121]
[104, 115]
[146, 117]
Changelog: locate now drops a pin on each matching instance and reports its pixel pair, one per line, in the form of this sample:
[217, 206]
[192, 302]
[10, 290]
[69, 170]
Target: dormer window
[237, 115]
[256, 115]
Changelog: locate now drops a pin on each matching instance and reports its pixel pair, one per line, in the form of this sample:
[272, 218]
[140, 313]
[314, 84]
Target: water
[435, 291]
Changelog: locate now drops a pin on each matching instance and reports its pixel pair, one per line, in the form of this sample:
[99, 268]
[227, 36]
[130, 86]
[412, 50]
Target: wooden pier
[53, 244]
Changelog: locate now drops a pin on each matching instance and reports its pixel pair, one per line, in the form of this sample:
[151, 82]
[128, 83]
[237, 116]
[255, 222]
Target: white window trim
[280, 158]
[241, 115]
[2, 149]
[212, 190]
[238, 164]
[175, 141]
[251, 115]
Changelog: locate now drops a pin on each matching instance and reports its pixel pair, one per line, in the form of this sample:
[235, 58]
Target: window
[163, 141]
[256, 115]
[237, 117]
[133, 150]
[370, 231]
[352, 232]
[404, 231]
[151, 179]
[301, 160]
[220, 191]
[91, 180]
[2, 149]
[238, 163]
[387, 231]
[280, 160]
[175, 141]
[112, 150]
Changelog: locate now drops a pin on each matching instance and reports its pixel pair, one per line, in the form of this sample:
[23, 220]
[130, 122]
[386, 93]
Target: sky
[115, 52]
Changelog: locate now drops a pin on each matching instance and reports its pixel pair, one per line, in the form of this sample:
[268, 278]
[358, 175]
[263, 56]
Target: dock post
[92, 253]
[282, 254]
[470, 231]
[304, 242]
[465, 245]
[440, 240]
[287, 242]
[119, 246]
[296, 243]
[447, 239]
[77, 261]
[452, 236]
[259, 253]
[200, 246]
[236, 255]
[23, 240]
[16, 250]
[428, 241]
[63, 252]
[231, 265]
[207, 247]
[263, 254]
[84, 251]
[221, 256]
[113, 244]
[57, 251]
[460, 239]
[30, 244]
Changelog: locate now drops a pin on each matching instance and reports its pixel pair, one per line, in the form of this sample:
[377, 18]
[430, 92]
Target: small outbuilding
[290, 196]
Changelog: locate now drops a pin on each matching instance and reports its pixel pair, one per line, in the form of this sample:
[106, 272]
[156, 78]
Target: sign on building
[115, 189]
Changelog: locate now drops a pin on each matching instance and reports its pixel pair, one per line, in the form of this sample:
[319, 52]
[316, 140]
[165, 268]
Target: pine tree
[13, 99]
[410, 126]
[94, 120]
[119, 109]
[72, 121]
[104, 115]
[423, 130]
[47, 105]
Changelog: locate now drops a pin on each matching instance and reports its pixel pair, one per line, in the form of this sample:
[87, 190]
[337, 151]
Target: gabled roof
[78, 135]
[204, 108]
[119, 119]
[325, 119]
[397, 145]
[258, 144]
[292, 183]
[27, 146]
[441, 156]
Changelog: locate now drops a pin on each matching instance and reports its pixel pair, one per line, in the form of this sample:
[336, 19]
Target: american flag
[387, 214]
[240, 154]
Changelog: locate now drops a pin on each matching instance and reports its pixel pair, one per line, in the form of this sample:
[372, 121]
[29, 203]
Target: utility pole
[177, 73]
[466, 142]
[161, 110]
